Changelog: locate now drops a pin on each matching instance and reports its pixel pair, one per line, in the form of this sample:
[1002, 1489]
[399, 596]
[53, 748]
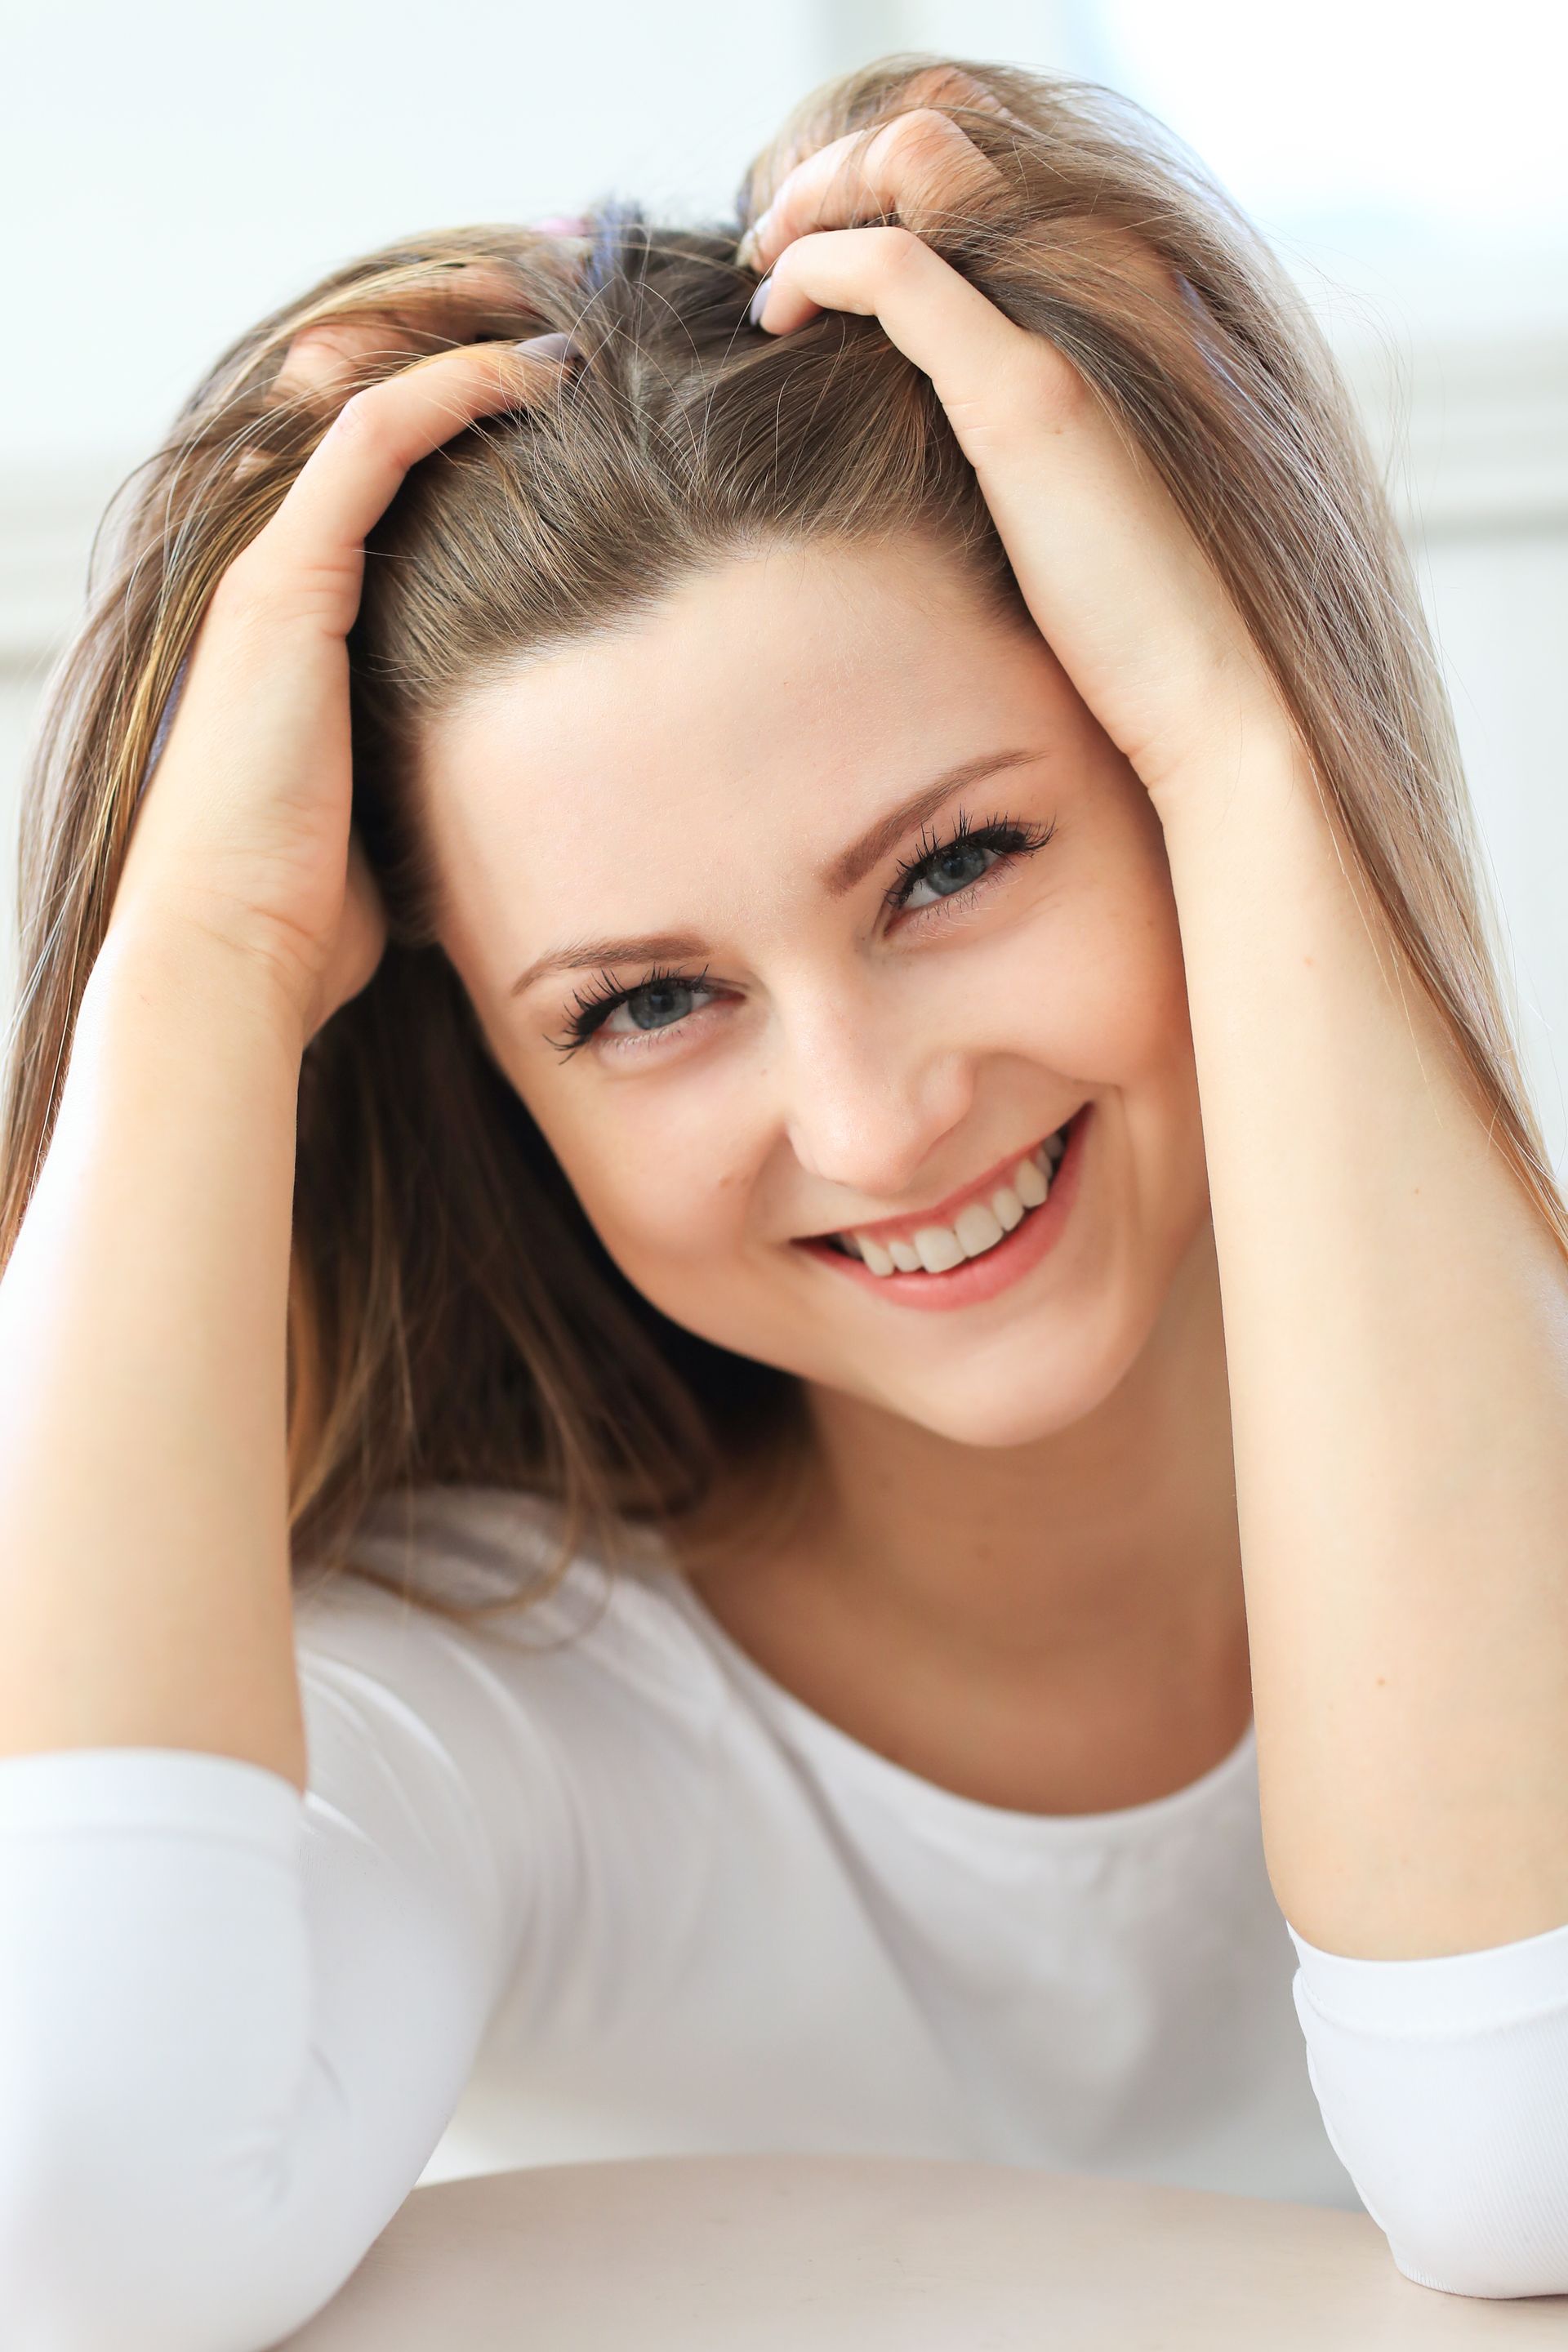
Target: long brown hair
[453, 1319]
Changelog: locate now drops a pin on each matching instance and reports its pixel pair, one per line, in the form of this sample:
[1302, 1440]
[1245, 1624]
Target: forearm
[1396, 1335]
[144, 1595]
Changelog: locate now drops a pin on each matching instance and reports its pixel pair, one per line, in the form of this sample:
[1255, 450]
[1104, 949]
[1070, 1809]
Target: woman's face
[755, 1011]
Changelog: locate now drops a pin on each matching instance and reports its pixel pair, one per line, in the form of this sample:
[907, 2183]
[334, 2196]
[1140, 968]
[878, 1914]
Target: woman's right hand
[243, 833]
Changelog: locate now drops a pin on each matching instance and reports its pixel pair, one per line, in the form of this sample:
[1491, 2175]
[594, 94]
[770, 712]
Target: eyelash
[1005, 834]
[592, 1005]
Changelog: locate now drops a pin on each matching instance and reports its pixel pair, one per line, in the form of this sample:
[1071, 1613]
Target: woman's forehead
[805, 685]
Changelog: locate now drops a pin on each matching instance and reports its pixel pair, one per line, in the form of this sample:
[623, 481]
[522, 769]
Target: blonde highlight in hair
[453, 1319]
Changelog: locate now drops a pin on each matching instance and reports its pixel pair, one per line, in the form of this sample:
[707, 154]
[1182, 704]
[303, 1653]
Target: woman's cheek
[659, 1187]
[1096, 994]
[690, 1255]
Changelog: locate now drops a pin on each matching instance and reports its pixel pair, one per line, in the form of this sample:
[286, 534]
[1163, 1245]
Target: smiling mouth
[937, 1246]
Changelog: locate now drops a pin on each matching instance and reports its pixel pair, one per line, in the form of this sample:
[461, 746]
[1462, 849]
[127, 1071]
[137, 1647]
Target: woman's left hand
[1117, 584]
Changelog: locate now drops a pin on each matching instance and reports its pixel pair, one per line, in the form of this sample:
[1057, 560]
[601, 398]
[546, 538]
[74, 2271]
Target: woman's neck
[1056, 1627]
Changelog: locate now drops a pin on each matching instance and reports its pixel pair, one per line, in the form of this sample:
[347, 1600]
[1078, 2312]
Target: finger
[934, 315]
[320, 361]
[327, 355]
[1022, 414]
[947, 85]
[355, 469]
[919, 166]
[950, 86]
[1107, 566]
[936, 85]
[324, 360]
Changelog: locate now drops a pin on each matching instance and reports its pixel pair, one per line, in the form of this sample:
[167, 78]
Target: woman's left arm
[1396, 1316]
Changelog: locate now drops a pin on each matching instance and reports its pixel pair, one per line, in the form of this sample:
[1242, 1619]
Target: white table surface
[761, 2253]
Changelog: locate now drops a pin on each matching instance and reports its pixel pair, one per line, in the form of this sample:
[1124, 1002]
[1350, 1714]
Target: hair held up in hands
[453, 1317]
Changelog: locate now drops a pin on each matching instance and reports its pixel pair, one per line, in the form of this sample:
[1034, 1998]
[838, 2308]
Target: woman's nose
[867, 1108]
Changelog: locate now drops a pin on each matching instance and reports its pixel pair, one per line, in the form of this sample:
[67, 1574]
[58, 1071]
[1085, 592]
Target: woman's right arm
[234, 2018]
[145, 1598]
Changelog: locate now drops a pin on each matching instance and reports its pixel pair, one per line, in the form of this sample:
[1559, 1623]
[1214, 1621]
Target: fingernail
[549, 347]
[759, 301]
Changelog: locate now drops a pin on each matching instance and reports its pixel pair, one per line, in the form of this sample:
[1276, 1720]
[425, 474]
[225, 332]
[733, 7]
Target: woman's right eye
[658, 1004]
[662, 1002]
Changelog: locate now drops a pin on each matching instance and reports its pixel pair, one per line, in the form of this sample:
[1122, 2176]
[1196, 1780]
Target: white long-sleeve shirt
[580, 1880]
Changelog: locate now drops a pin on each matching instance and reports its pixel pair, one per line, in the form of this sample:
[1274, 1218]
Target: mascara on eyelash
[593, 1006]
[1009, 835]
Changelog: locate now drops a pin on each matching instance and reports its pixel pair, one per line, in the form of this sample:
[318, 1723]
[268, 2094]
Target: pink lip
[978, 1278]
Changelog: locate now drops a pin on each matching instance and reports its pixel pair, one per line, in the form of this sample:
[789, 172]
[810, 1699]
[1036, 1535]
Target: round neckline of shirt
[942, 1807]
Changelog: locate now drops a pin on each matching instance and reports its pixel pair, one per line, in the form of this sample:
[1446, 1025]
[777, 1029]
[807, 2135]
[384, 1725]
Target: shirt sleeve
[1444, 2088]
[234, 2020]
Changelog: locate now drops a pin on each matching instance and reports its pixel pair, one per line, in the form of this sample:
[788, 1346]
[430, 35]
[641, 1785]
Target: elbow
[1443, 2085]
[1474, 2213]
[1452, 2266]
[164, 2262]
[1491, 2238]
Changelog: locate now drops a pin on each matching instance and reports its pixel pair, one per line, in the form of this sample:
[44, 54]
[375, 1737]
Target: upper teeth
[979, 1225]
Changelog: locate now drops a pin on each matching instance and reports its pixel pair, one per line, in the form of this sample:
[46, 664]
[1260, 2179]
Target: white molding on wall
[1474, 436]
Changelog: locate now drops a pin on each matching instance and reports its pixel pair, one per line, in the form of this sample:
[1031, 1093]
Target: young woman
[883, 1094]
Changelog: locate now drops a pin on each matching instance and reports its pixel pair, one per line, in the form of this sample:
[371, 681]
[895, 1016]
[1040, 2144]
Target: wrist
[177, 971]
[1259, 760]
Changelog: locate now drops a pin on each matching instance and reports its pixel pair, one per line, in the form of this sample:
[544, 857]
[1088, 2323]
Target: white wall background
[180, 169]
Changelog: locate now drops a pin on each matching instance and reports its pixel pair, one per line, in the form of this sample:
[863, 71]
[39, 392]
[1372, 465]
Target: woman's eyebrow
[852, 865]
[584, 955]
[841, 874]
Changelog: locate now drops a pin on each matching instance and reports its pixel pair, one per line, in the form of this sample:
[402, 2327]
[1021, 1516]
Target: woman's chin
[1049, 1380]
[976, 1412]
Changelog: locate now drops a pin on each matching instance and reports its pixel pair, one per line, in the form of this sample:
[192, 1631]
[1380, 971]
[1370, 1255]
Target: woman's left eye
[951, 870]
[956, 865]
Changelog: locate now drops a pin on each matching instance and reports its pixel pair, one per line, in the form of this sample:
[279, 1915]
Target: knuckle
[851, 182]
[1039, 392]
[899, 253]
[322, 355]
[922, 132]
[358, 416]
[939, 159]
[947, 82]
[366, 426]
